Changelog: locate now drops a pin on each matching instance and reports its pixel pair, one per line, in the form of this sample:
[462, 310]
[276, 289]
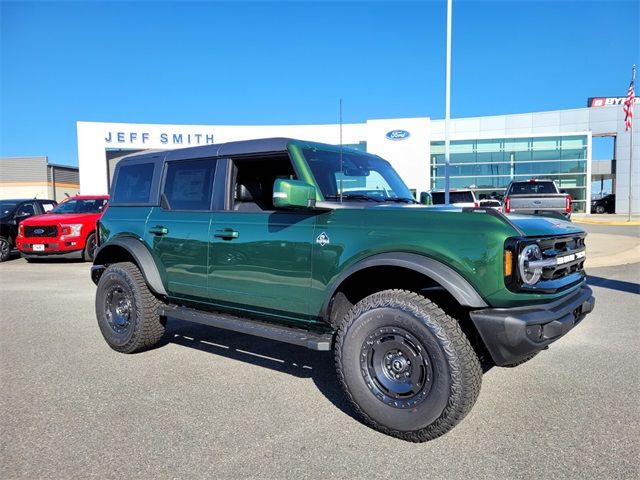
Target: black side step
[303, 338]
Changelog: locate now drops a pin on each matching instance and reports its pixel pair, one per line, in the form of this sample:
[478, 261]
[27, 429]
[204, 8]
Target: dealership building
[486, 152]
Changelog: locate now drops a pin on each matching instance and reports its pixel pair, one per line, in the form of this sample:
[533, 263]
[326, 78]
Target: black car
[606, 204]
[12, 212]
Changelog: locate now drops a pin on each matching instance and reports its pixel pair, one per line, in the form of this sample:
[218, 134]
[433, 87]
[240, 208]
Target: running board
[295, 336]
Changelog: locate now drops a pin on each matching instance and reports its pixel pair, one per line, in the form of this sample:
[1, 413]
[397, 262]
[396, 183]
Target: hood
[55, 219]
[538, 226]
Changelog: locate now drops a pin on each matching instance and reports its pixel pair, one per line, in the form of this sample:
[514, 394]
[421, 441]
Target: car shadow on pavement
[282, 357]
[620, 285]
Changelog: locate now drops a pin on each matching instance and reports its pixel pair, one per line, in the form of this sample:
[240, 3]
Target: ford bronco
[325, 248]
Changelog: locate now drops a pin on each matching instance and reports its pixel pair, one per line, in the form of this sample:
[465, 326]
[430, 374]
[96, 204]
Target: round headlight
[530, 253]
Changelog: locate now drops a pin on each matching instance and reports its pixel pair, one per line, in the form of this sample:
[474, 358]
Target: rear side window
[454, 197]
[189, 184]
[133, 184]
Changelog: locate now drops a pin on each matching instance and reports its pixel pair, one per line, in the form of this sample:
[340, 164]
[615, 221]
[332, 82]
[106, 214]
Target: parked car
[491, 203]
[67, 231]
[538, 197]
[458, 197]
[12, 214]
[606, 204]
[252, 236]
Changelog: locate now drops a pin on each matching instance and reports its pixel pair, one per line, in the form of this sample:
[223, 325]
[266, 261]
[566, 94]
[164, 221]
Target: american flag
[628, 103]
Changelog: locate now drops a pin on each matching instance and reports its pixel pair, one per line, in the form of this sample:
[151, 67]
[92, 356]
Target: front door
[260, 257]
[261, 261]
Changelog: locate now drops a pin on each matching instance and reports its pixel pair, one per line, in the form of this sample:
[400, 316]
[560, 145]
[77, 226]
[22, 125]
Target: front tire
[406, 366]
[90, 248]
[599, 209]
[127, 310]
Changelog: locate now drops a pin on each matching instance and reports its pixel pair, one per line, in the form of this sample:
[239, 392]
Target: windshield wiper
[401, 200]
[355, 196]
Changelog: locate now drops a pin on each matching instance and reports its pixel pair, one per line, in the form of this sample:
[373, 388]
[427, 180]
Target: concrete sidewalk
[618, 219]
[606, 250]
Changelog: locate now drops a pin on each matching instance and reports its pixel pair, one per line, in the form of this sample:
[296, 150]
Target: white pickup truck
[536, 197]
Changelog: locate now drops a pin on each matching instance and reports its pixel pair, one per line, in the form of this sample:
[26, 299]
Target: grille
[45, 231]
[569, 252]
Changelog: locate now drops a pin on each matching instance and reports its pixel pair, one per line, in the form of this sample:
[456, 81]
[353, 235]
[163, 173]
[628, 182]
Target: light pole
[447, 105]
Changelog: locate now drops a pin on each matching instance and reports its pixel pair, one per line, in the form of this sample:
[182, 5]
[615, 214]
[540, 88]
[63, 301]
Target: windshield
[81, 206]
[6, 208]
[362, 177]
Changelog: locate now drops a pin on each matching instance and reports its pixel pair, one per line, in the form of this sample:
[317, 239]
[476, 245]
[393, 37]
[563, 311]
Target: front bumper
[69, 254]
[512, 334]
[59, 247]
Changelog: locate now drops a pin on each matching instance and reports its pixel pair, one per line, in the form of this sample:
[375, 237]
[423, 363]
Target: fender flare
[142, 257]
[448, 278]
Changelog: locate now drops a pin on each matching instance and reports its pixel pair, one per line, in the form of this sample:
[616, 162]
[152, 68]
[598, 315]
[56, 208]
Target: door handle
[227, 234]
[159, 230]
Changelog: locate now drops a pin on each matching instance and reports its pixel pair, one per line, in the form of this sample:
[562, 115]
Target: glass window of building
[488, 165]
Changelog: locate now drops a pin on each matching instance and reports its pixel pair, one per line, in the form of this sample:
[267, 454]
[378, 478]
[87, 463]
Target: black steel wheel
[5, 249]
[127, 310]
[90, 248]
[395, 367]
[406, 366]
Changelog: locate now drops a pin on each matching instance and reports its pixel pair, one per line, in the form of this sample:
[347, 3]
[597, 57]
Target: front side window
[189, 184]
[356, 177]
[81, 206]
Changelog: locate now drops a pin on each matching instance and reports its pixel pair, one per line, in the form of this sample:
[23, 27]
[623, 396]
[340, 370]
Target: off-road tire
[520, 362]
[5, 249]
[127, 310]
[89, 248]
[390, 318]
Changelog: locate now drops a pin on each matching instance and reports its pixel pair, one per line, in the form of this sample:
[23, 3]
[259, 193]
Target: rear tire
[599, 209]
[5, 249]
[406, 366]
[127, 310]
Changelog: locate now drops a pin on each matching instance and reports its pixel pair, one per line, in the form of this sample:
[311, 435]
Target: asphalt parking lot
[214, 404]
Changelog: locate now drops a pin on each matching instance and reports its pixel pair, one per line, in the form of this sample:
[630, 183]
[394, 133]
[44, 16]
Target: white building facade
[486, 152]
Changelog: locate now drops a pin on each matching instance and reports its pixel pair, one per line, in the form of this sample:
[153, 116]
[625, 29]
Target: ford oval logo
[397, 135]
[38, 231]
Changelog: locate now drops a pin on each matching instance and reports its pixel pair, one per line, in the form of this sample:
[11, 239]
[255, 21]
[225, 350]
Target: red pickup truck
[67, 231]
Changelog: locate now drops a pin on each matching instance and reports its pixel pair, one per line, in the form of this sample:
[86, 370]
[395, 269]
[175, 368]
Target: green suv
[325, 248]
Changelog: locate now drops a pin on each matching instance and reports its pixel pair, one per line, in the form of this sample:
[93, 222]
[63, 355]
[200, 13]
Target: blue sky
[290, 62]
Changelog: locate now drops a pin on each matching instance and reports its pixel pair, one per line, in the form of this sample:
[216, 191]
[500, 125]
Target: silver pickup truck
[539, 197]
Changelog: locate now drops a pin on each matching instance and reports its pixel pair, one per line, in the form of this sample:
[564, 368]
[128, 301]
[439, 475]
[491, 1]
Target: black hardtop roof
[243, 147]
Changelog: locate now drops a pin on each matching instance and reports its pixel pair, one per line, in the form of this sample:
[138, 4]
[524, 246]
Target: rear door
[178, 230]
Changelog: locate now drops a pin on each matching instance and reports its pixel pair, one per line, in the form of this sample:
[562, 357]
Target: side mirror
[293, 194]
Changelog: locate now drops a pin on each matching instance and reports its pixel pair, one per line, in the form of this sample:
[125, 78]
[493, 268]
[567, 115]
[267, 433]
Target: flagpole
[633, 79]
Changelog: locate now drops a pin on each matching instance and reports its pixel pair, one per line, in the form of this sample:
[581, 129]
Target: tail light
[476, 205]
[21, 230]
[507, 205]
[568, 206]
